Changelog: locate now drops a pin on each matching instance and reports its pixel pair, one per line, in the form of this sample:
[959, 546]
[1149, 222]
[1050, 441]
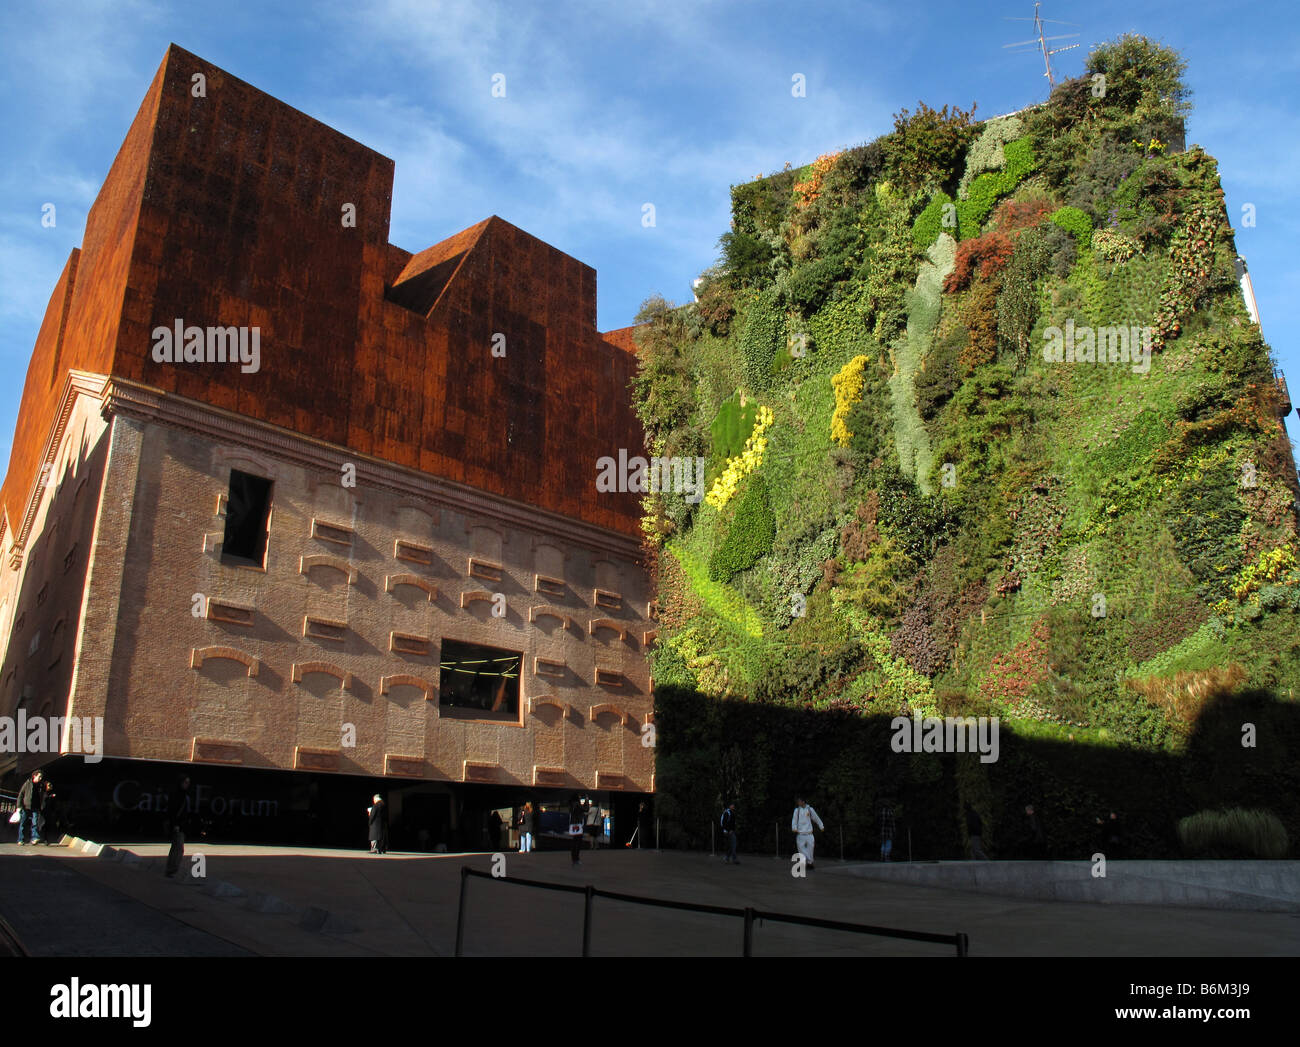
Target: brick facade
[474, 473]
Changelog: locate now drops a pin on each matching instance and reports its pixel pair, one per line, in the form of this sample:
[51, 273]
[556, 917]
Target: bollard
[749, 932]
[713, 847]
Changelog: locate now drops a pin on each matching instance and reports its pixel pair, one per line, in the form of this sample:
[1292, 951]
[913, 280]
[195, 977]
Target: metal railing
[959, 941]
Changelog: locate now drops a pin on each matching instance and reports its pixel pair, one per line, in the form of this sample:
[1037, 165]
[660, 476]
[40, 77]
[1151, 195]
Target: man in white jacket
[802, 824]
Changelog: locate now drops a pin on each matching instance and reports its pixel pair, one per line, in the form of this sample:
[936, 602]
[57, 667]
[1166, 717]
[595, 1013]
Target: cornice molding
[133, 400]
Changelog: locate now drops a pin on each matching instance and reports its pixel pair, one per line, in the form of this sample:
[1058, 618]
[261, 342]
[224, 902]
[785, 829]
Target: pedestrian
[1036, 840]
[1108, 835]
[31, 799]
[577, 816]
[47, 816]
[975, 830]
[494, 826]
[887, 829]
[595, 823]
[729, 834]
[642, 825]
[526, 829]
[178, 821]
[802, 825]
[377, 812]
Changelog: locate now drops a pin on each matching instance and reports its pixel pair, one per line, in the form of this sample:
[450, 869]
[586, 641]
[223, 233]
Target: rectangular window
[248, 508]
[484, 569]
[328, 532]
[324, 629]
[609, 601]
[478, 682]
[403, 643]
[549, 586]
[235, 614]
[420, 554]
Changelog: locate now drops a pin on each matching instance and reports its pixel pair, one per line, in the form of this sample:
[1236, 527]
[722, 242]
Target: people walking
[802, 825]
[525, 826]
[887, 829]
[48, 816]
[178, 823]
[595, 824]
[577, 816]
[975, 830]
[31, 800]
[728, 822]
[1109, 840]
[378, 815]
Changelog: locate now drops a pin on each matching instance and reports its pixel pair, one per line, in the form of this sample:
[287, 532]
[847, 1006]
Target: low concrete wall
[1259, 886]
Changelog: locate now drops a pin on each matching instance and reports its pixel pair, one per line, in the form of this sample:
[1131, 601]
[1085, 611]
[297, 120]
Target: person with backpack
[728, 822]
[802, 826]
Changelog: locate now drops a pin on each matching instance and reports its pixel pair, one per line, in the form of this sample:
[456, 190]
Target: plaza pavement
[279, 901]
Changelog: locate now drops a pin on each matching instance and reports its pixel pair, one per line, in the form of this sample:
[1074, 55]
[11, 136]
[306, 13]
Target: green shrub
[749, 537]
[763, 336]
[986, 190]
[1233, 833]
[1076, 223]
[929, 223]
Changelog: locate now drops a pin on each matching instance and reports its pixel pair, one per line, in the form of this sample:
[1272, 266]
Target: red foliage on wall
[987, 254]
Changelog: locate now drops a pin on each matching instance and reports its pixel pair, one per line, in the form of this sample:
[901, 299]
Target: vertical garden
[914, 506]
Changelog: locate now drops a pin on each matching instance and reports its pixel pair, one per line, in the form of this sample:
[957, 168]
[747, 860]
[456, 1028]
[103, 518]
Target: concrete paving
[57, 911]
[313, 902]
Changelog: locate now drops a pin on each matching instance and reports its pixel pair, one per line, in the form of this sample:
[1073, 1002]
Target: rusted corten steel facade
[474, 472]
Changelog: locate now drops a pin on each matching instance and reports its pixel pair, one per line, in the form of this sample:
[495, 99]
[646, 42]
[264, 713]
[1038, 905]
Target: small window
[479, 682]
[248, 508]
[324, 629]
[402, 643]
[420, 554]
[22, 620]
[328, 532]
[235, 614]
[549, 586]
[485, 569]
[608, 600]
[40, 596]
[70, 559]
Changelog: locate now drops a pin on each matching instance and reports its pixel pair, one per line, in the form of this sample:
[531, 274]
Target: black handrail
[960, 941]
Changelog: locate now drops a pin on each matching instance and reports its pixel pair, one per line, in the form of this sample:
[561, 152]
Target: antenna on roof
[1039, 42]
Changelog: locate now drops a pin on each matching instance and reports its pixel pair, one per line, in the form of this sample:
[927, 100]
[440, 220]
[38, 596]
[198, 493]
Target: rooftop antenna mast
[1039, 42]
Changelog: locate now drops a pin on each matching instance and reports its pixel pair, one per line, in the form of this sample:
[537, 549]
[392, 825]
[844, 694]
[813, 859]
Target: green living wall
[989, 433]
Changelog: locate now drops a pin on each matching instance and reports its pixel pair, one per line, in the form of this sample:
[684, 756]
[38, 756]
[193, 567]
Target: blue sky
[608, 106]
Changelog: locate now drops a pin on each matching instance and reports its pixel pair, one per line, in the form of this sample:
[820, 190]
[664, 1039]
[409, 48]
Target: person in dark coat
[728, 822]
[1035, 840]
[494, 828]
[975, 830]
[378, 812]
[525, 826]
[1109, 841]
[31, 800]
[178, 822]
